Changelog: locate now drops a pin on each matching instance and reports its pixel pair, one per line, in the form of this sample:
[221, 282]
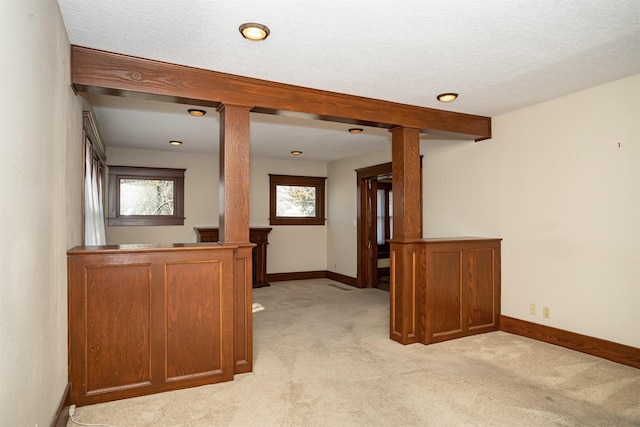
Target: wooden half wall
[150, 319]
[235, 97]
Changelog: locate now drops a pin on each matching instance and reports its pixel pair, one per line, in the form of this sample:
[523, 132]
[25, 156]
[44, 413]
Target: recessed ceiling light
[253, 31]
[296, 152]
[197, 113]
[175, 142]
[447, 97]
[355, 130]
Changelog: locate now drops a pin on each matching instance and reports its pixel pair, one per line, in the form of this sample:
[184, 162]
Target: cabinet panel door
[193, 319]
[481, 288]
[445, 292]
[117, 347]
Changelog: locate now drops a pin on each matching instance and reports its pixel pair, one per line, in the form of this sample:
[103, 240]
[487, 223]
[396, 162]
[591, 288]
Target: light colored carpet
[322, 357]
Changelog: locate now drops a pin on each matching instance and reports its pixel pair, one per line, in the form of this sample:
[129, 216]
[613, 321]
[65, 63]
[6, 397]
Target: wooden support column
[234, 224]
[406, 239]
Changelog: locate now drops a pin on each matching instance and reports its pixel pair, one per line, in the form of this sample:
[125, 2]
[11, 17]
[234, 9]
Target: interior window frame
[117, 173]
[318, 182]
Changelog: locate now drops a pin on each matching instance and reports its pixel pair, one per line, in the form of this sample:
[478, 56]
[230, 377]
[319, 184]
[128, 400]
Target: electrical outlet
[546, 312]
[72, 410]
[532, 309]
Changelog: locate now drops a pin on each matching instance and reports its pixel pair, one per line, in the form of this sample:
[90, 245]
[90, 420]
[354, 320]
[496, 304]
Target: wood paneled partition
[235, 97]
[144, 320]
[460, 291]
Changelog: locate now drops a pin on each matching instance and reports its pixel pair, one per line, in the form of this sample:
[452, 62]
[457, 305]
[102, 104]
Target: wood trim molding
[609, 350]
[110, 73]
[347, 280]
[296, 275]
[320, 274]
[61, 418]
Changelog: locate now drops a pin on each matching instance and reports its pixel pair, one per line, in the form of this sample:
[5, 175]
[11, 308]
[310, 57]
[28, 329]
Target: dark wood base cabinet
[460, 293]
[257, 235]
[145, 320]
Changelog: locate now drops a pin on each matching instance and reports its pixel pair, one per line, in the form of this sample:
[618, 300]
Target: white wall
[291, 248]
[555, 185]
[342, 245]
[41, 170]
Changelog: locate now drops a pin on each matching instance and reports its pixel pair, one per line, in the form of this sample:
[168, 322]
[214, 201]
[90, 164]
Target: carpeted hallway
[322, 357]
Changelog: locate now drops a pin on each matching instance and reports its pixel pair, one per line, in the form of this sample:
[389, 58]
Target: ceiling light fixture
[296, 152]
[175, 142]
[254, 32]
[447, 97]
[197, 113]
[355, 130]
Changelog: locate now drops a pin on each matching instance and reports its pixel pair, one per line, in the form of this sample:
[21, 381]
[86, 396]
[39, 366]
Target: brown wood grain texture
[405, 152]
[482, 287]
[297, 275]
[118, 336]
[148, 320]
[234, 174]
[257, 235]
[116, 74]
[242, 310]
[446, 313]
[460, 295]
[193, 323]
[404, 280]
[616, 352]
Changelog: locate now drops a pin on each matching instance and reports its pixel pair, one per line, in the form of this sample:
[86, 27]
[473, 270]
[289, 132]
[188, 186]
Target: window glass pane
[146, 197]
[296, 201]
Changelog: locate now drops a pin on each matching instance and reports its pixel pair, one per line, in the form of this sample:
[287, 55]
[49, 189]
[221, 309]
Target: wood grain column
[234, 224]
[406, 239]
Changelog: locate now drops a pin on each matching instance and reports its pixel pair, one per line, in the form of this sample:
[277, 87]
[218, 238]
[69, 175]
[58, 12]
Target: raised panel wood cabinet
[257, 235]
[144, 320]
[460, 292]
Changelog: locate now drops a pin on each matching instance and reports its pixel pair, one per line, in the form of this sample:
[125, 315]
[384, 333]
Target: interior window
[146, 196]
[296, 200]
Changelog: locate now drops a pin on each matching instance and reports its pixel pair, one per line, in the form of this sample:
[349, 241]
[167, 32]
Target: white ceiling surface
[499, 55]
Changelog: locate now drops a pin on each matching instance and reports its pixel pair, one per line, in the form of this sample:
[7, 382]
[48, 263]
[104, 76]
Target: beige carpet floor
[322, 357]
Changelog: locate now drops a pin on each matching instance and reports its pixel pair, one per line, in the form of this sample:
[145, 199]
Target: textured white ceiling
[499, 55]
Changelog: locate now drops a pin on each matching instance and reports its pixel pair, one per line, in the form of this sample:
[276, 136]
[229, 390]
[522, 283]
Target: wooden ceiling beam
[109, 73]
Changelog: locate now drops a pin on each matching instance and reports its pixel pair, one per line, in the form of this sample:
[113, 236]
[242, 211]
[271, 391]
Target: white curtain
[94, 225]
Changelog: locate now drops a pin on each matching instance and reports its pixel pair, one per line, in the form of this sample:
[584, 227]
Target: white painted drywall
[342, 210]
[41, 170]
[560, 183]
[292, 248]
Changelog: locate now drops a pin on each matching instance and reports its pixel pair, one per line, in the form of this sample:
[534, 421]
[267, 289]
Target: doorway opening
[375, 224]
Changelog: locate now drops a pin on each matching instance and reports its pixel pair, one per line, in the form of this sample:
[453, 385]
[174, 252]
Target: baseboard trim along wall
[61, 417]
[303, 275]
[620, 353]
[609, 350]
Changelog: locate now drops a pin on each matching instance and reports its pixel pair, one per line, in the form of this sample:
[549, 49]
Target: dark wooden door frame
[366, 276]
[366, 270]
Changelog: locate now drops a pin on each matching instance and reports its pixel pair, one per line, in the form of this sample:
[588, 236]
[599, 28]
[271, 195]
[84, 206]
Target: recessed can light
[175, 142]
[253, 31]
[197, 113]
[355, 130]
[447, 97]
[296, 152]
